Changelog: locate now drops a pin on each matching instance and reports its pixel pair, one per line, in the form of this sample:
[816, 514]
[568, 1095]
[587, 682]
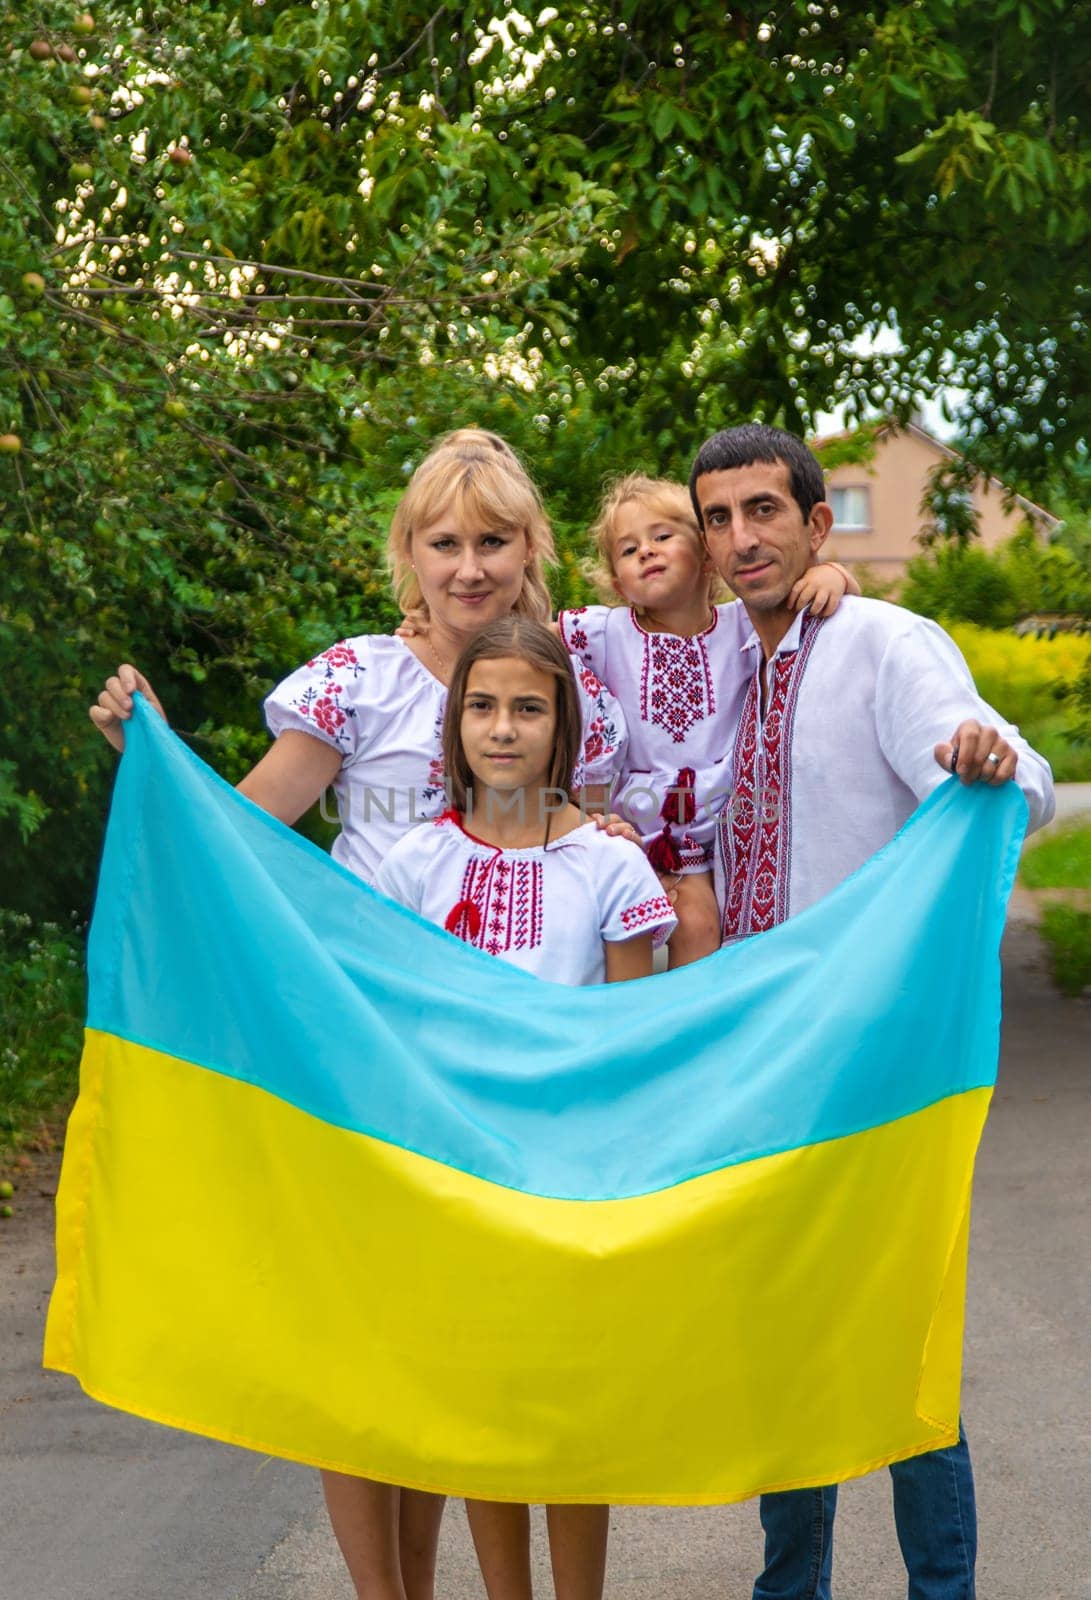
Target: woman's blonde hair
[476, 436]
[664, 499]
[474, 476]
[531, 641]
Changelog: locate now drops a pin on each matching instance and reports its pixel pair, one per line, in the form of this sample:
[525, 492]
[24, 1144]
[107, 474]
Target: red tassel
[464, 920]
[663, 855]
[680, 805]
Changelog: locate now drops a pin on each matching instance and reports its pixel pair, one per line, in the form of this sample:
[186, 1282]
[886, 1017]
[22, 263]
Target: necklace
[444, 666]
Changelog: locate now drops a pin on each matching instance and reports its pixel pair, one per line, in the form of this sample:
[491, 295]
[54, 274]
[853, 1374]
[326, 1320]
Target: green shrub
[1079, 704]
[1060, 741]
[1046, 579]
[1020, 578]
[42, 1001]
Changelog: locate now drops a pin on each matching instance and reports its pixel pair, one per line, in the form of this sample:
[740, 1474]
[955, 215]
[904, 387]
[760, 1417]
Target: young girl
[671, 657]
[514, 869]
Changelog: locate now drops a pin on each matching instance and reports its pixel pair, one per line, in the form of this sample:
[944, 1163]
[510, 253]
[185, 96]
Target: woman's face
[468, 575]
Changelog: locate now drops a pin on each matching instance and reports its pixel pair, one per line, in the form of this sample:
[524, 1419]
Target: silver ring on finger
[993, 759]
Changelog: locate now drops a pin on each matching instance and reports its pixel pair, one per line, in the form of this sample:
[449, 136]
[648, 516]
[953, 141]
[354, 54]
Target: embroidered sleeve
[631, 900]
[605, 736]
[322, 698]
[647, 914]
[583, 633]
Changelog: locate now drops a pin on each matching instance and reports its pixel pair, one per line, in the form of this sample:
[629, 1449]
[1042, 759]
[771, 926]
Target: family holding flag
[692, 1240]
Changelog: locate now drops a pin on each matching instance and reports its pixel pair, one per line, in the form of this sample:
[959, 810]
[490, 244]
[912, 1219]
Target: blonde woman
[468, 545]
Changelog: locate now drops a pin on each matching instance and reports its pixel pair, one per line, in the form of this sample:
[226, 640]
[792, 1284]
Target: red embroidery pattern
[655, 910]
[464, 921]
[594, 744]
[327, 713]
[338, 655]
[500, 906]
[696, 857]
[601, 735]
[573, 633]
[322, 703]
[591, 685]
[676, 688]
[754, 831]
[437, 778]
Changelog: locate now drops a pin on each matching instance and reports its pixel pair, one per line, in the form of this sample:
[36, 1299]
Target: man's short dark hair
[753, 441]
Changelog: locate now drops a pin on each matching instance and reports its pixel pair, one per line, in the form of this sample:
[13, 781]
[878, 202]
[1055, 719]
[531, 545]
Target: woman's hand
[617, 827]
[115, 703]
[286, 782]
[823, 588]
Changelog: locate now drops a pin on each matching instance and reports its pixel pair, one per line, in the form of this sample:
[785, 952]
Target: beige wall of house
[884, 496]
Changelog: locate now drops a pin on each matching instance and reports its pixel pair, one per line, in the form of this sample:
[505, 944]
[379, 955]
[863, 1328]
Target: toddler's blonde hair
[663, 498]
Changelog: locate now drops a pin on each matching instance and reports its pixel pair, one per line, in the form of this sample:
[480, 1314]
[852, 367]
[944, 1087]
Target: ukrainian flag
[342, 1189]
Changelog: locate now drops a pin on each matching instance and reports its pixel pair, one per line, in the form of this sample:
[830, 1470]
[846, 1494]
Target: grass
[1067, 933]
[42, 1003]
[1061, 860]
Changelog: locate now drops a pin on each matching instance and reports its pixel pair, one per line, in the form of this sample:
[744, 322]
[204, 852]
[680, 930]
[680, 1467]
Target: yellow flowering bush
[1029, 681]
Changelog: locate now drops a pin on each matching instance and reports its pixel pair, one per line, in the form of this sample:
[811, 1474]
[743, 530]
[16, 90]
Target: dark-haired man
[848, 723]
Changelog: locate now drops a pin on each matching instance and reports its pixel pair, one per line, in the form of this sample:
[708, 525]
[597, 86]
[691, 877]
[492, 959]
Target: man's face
[757, 536]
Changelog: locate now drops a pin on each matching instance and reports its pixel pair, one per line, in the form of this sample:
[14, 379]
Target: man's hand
[978, 755]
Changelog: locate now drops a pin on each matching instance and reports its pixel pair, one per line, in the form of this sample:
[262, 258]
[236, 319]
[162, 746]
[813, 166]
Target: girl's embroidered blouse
[545, 909]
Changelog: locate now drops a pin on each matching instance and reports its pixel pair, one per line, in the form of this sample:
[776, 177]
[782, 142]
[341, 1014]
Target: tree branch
[425, 33]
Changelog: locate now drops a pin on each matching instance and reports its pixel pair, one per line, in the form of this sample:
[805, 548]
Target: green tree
[790, 179]
[960, 583]
[256, 255]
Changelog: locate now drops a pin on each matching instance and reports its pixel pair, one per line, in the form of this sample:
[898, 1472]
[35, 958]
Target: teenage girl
[515, 869]
[672, 658]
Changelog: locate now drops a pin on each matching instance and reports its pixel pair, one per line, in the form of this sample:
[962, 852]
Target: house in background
[877, 516]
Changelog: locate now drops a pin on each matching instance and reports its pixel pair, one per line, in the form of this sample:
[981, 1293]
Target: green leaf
[663, 119]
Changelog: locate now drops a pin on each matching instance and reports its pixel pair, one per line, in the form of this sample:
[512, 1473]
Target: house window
[851, 508]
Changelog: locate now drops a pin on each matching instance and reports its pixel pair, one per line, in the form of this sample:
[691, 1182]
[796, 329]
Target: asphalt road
[1073, 800]
[100, 1506]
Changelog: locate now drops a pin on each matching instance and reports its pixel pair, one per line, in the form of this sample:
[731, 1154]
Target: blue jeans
[934, 1514]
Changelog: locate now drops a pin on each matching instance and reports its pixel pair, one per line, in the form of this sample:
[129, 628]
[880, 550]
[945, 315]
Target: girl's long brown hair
[530, 641]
